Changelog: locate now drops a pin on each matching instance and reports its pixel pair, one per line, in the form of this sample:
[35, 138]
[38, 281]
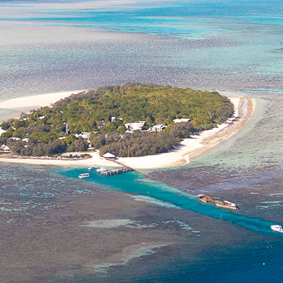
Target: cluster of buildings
[130, 128]
[5, 148]
[139, 126]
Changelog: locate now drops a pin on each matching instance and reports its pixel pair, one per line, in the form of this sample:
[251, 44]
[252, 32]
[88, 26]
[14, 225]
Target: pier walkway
[124, 168]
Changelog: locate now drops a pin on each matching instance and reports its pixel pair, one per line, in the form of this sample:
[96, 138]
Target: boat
[205, 199]
[102, 169]
[91, 167]
[84, 175]
[223, 204]
[226, 204]
[277, 228]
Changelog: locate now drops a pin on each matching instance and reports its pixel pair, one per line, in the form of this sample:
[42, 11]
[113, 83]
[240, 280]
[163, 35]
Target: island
[129, 120]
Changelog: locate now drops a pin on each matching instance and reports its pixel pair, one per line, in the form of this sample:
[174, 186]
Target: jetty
[112, 158]
[116, 171]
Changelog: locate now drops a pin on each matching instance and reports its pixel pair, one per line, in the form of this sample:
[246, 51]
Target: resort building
[158, 128]
[4, 148]
[181, 120]
[84, 135]
[2, 131]
[109, 155]
[135, 126]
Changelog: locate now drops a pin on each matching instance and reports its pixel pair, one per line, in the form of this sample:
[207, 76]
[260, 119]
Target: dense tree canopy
[92, 111]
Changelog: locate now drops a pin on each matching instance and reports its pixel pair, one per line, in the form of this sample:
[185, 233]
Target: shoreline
[39, 100]
[188, 148]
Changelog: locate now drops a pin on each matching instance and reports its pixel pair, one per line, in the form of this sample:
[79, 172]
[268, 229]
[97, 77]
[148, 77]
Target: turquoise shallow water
[177, 17]
[134, 183]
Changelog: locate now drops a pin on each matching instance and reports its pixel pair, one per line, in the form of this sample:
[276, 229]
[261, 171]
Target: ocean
[227, 46]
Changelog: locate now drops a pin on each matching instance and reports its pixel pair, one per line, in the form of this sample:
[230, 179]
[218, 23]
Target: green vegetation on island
[129, 120]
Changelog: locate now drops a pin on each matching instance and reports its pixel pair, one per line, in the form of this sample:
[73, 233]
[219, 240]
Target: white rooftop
[181, 120]
[109, 155]
[2, 131]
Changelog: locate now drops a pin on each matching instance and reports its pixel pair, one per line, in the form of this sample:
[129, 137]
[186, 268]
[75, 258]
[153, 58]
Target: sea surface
[232, 46]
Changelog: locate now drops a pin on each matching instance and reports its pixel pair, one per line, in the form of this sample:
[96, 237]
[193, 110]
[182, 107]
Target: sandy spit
[39, 100]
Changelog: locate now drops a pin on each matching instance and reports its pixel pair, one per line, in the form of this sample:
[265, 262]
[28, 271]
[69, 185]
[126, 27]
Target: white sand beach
[39, 100]
[244, 107]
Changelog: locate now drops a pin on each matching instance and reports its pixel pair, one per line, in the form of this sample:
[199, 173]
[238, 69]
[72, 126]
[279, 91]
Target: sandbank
[197, 144]
[39, 100]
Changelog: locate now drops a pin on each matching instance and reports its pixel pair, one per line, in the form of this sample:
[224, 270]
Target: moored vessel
[102, 169]
[226, 204]
[277, 228]
[84, 175]
[223, 204]
[91, 167]
[205, 199]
